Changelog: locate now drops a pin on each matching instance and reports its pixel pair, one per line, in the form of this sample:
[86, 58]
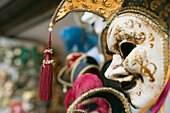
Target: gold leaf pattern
[95, 1]
[107, 3]
[132, 35]
[86, 6]
[70, 6]
[159, 7]
[155, 4]
[103, 8]
[145, 4]
[131, 4]
[144, 70]
[164, 14]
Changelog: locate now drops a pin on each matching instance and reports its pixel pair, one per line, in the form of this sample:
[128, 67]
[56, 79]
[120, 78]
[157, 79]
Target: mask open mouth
[122, 78]
[127, 85]
[126, 79]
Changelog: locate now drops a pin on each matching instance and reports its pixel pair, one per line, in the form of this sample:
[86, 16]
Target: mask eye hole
[126, 48]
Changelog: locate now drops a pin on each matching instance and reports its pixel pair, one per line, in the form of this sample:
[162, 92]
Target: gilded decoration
[131, 35]
[163, 13]
[144, 70]
[145, 14]
[109, 9]
[159, 7]
[144, 66]
[143, 3]
[102, 8]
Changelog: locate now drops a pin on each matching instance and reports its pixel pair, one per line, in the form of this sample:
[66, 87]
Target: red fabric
[72, 58]
[83, 84]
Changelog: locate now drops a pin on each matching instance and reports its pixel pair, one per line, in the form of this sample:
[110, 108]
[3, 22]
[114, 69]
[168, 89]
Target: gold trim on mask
[150, 15]
[102, 8]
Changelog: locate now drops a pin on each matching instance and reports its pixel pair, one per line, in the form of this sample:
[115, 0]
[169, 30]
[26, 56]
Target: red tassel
[45, 91]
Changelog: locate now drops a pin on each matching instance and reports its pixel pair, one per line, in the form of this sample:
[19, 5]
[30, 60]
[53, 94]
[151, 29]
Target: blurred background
[23, 38]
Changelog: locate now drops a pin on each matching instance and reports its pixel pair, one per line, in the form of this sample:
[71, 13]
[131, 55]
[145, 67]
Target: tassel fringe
[45, 90]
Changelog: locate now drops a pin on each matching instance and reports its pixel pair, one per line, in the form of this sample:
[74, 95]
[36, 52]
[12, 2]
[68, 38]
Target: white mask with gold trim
[139, 49]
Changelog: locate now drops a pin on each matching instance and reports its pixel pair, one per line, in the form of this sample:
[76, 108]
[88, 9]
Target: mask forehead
[149, 57]
[140, 30]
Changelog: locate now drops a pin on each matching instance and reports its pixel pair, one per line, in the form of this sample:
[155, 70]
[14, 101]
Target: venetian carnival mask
[139, 59]
[137, 38]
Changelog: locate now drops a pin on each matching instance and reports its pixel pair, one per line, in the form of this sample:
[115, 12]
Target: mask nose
[116, 68]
